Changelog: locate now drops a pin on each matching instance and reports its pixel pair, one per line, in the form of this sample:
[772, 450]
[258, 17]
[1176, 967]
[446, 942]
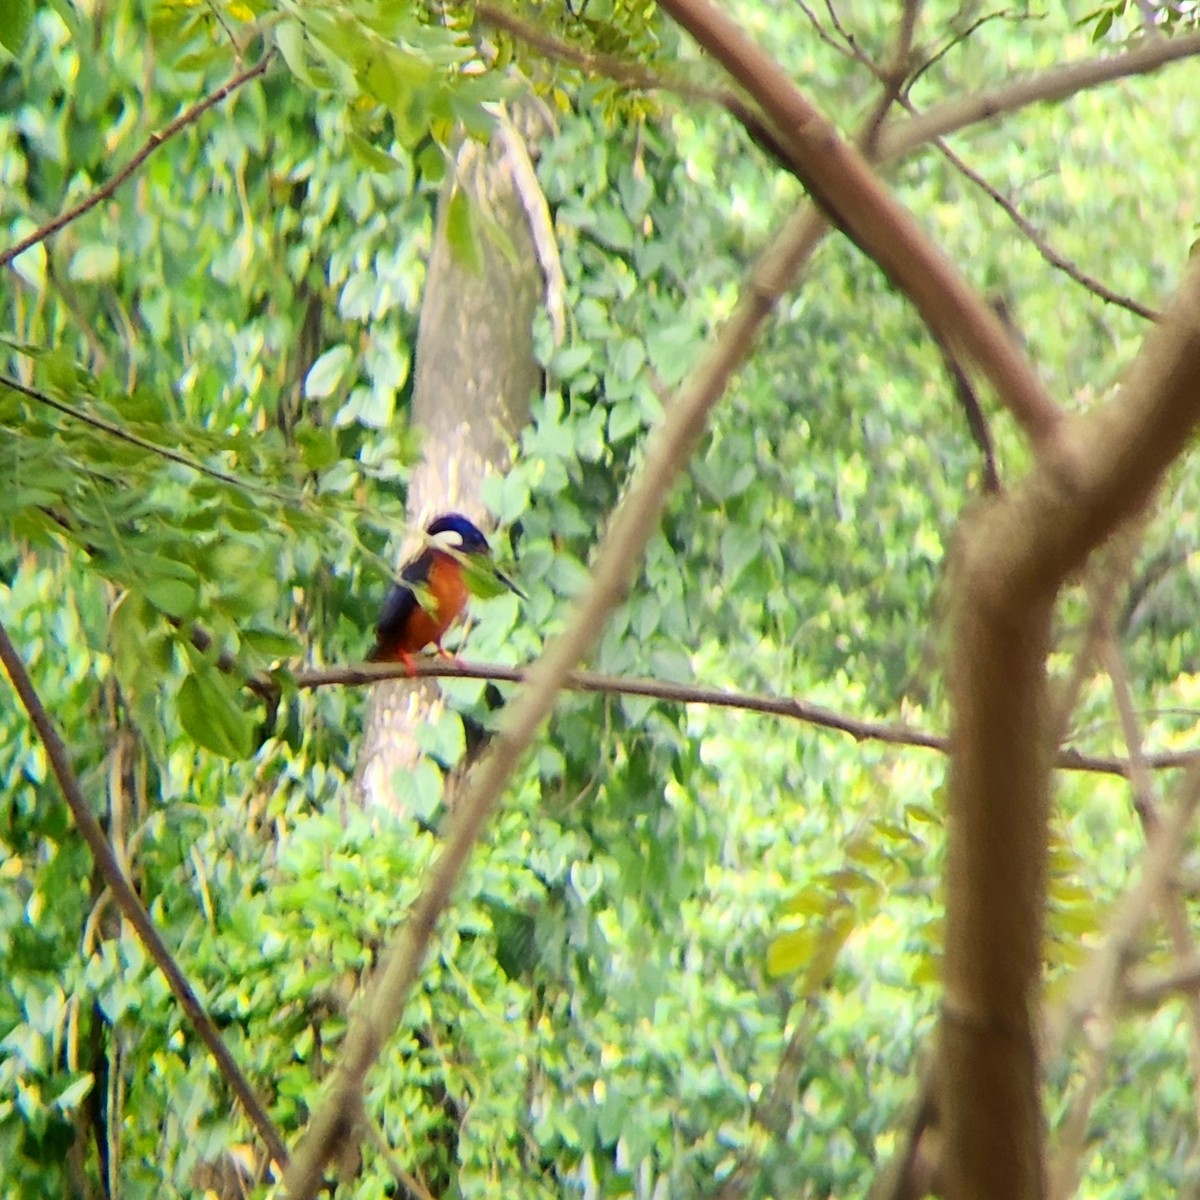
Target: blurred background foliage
[668, 893]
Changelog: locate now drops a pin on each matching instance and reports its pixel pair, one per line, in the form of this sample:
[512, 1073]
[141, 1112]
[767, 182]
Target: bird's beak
[512, 587]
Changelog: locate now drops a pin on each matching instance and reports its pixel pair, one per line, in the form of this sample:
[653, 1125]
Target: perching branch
[791, 707]
[129, 903]
[189, 116]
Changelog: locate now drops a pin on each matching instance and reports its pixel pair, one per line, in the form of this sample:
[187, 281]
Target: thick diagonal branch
[622, 548]
[1015, 556]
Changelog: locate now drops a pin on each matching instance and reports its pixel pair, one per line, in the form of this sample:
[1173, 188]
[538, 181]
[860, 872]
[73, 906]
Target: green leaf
[461, 232]
[71, 1096]
[624, 419]
[319, 447]
[789, 952]
[404, 84]
[371, 156]
[327, 372]
[422, 789]
[211, 712]
[570, 360]
[289, 37]
[482, 577]
[175, 597]
[172, 587]
[270, 643]
[16, 16]
[737, 552]
[94, 263]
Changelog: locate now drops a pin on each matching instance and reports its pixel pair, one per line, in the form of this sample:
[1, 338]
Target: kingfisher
[432, 593]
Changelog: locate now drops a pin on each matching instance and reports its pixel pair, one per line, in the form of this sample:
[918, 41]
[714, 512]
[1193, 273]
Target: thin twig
[411, 1187]
[1174, 909]
[773, 1114]
[852, 51]
[1105, 576]
[159, 138]
[958, 39]
[1102, 975]
[1059, 261]
[1067, 1158]
[896, 140]
[1057, 83]
[635, 75]
[848, 48]
[977, 421]
[905, 1176]
[121, 434]
[1103, 982]
[129, 903]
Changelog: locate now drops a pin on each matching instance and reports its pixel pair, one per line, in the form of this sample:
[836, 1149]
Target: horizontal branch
[1147, 989]
[862, 730]
[1057, 83]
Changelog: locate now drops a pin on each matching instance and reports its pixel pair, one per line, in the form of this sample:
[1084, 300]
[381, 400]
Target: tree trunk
[475, 377]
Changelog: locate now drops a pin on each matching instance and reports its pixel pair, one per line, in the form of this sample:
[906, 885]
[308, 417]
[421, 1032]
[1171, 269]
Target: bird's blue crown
[473, 541]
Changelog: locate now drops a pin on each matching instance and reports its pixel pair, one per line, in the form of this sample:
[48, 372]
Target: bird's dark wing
[399, 606]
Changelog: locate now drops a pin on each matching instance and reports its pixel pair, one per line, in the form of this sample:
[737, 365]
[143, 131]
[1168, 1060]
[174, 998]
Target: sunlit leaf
[327, 373]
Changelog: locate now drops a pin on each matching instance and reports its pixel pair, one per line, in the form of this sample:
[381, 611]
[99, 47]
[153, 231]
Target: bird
[431, 593]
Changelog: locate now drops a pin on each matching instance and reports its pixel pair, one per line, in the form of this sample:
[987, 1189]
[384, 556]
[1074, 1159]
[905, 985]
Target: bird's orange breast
[449, 594]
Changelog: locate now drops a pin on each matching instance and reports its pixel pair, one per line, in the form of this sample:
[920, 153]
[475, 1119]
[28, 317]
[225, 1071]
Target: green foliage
[1132, 20]
[15, 21]
[666, 893]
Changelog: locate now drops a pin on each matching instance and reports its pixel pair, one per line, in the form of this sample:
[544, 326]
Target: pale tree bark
[475, 377]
